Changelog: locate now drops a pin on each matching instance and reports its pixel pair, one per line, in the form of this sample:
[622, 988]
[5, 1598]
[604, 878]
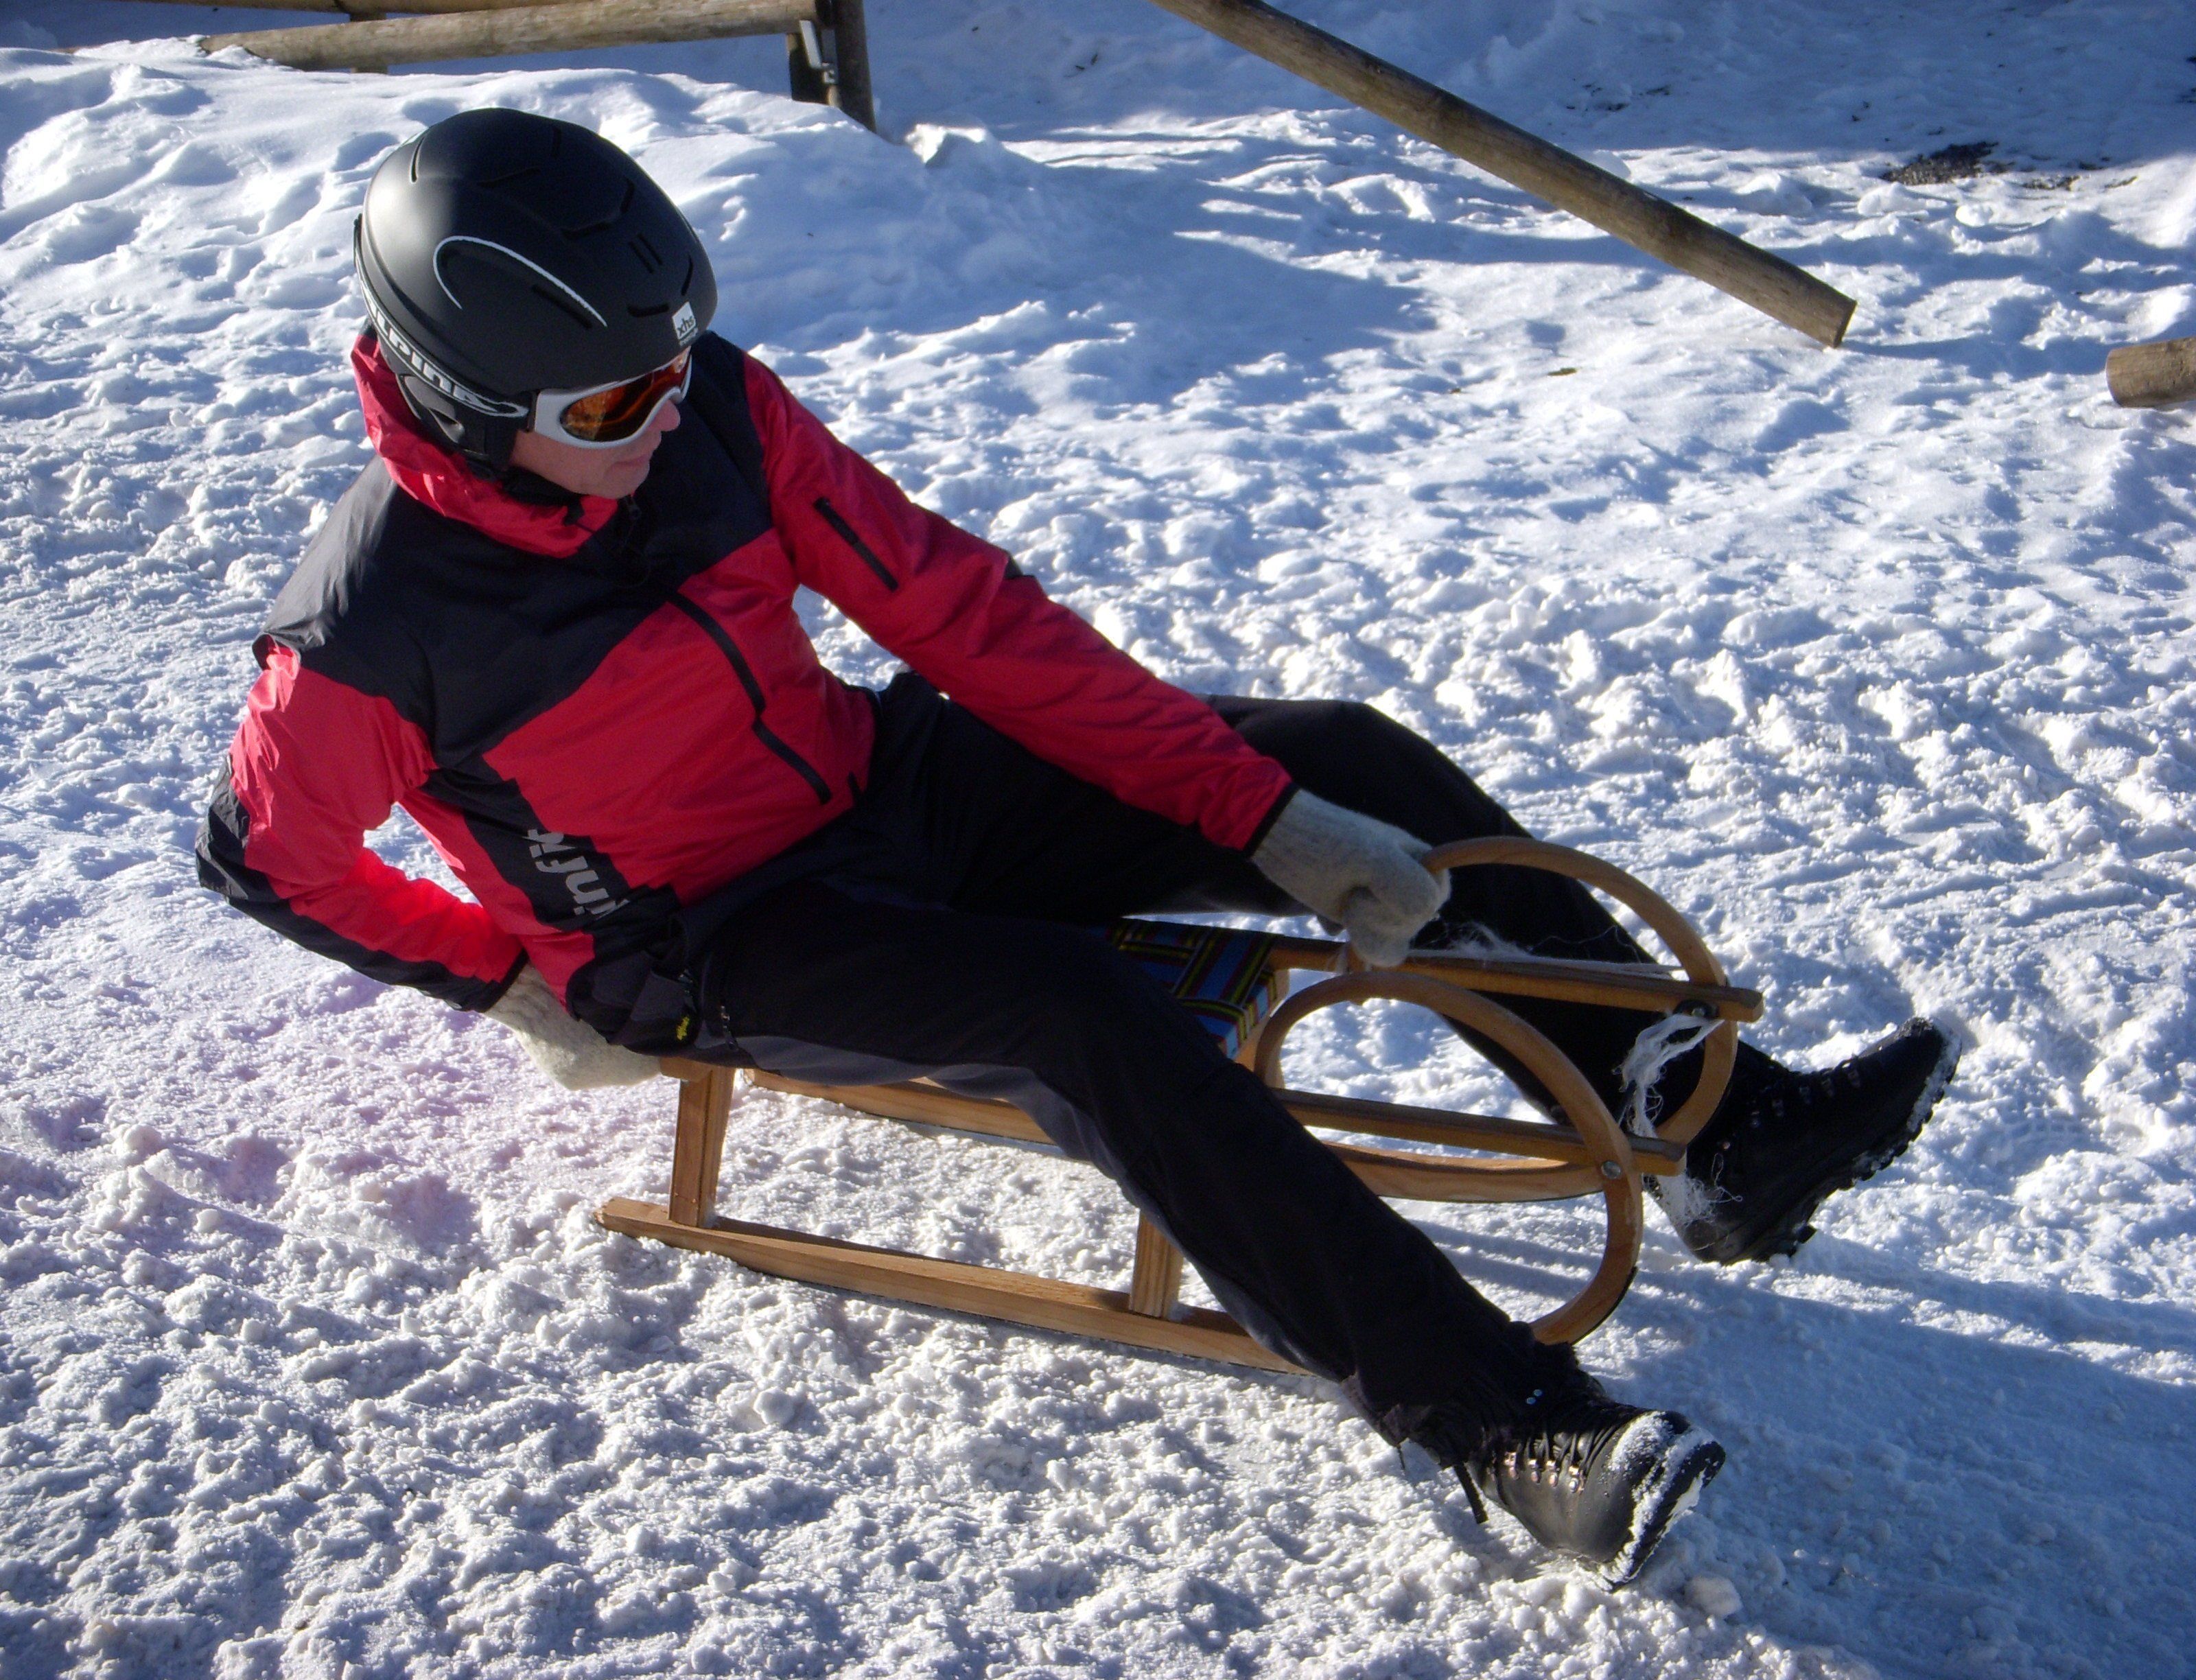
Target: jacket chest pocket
[758, 700]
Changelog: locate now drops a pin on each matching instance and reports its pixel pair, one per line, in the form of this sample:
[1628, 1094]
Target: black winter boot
[1780, 1142]
[1588, 1476]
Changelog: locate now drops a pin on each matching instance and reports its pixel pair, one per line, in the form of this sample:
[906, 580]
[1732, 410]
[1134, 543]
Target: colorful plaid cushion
[1219, 974]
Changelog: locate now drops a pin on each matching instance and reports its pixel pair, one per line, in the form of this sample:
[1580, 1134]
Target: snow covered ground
[1878, 661]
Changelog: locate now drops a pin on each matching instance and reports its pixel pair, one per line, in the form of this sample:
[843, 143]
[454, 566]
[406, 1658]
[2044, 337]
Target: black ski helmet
[503, 254]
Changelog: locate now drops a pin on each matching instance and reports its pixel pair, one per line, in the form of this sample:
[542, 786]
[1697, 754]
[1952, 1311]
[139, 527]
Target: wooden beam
[366, 9]
[559, 25]
[1638, 217]
[2154, 375]
[1041, 1303]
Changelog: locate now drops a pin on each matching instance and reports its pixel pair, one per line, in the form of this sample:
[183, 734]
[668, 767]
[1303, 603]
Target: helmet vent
[605, 224]
[641, 312]
[496, 183]
[650, 259]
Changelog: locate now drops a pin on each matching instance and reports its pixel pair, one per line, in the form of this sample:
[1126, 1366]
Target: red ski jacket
[603, 713]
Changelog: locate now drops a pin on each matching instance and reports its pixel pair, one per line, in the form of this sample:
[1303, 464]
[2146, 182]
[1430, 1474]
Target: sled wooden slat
[1420, 1178]
[1617, 984]
[927, 1105]
[1588, 983]
[1537, 1139]
[922, 1104]
[1041, 1303]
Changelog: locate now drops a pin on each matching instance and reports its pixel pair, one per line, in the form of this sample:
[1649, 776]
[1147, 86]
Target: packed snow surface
[1878, 662]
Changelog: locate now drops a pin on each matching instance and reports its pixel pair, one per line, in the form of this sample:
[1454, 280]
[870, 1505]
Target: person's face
[615, 473]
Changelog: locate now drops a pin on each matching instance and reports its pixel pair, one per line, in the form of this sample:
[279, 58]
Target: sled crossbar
[1226, 978]
[1620, 985]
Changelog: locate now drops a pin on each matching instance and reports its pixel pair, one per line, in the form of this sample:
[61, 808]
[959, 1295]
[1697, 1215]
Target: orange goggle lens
[620, 412]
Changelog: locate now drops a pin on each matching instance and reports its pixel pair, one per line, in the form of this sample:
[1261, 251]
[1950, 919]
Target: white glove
[566, 1048]
[1355, 871]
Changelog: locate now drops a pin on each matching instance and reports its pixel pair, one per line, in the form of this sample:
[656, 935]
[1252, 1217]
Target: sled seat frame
[1584, 1153]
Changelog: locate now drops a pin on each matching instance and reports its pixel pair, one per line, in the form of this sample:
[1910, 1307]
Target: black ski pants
[944, 928]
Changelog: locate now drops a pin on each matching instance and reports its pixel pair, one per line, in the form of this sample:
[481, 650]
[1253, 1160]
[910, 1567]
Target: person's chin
[623, 481]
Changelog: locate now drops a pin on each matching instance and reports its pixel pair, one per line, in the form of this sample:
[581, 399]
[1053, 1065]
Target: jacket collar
[444, 480]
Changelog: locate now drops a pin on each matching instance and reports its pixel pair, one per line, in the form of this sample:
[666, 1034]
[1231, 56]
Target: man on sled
[553, 621]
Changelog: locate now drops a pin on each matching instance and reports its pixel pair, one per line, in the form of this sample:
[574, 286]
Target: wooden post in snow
[1651, 224]
[2152, 376]
[849, 41]
[560, 25]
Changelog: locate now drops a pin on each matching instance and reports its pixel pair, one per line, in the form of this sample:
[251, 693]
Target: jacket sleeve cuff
[491, 999]
[1266, 822]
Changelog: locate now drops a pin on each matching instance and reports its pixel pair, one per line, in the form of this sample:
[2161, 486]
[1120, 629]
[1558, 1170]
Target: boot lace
[1561, 1448]
[1800, 1094]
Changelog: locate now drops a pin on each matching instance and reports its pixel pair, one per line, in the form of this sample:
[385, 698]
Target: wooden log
[559, 25]
[2152, 376]
[1771, 285]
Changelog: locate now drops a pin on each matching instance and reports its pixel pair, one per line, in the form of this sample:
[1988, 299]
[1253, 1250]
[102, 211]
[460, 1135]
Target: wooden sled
[1587, 1153]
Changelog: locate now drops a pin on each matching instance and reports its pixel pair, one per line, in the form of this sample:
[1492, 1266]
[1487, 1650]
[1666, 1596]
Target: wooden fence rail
[827, 40]
[545, 26]
[365, 9]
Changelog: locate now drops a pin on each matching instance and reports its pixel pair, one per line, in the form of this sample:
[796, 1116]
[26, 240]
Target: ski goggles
[603, 417]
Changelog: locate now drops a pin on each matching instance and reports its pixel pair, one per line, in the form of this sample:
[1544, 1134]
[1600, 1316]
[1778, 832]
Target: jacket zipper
[764, 733]
[832, 517]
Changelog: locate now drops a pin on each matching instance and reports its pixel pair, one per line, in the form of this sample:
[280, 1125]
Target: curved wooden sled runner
[1587, 1153]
